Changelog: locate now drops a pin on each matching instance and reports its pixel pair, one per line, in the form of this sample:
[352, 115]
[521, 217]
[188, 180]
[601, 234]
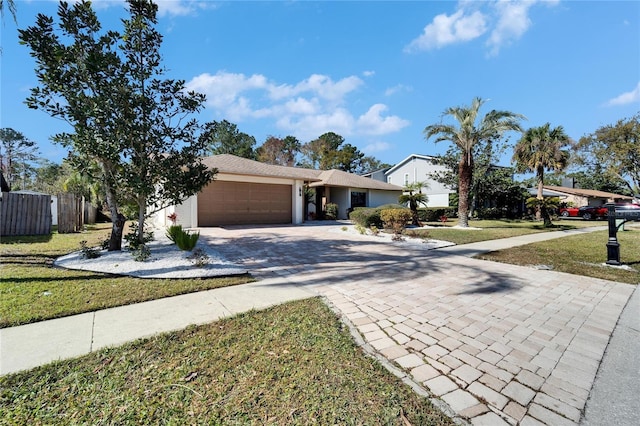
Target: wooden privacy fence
[25, 214]
[90, 213]
[70, 213]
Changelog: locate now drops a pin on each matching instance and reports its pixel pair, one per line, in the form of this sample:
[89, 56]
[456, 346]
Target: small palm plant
[412, 198]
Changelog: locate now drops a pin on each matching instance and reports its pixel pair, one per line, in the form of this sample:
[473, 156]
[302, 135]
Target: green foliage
[331, 211]
[173, 231]
[133, 240]
[395, 219]
[18, 155]
[466, 135]
[542, 149]
[361, 229]
[615, 150]
[412, 197]
[186, 240]
[124, 116]
[141, 253]
[370, 216]
[545, 206]
[279, 151]
[223, 137]
[434, 214]
[88, 252]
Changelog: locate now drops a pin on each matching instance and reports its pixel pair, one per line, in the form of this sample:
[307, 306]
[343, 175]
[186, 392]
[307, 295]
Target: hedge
[433, 214]
[369, 216]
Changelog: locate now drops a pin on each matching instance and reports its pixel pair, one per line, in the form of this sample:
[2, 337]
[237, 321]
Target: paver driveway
[498, 343]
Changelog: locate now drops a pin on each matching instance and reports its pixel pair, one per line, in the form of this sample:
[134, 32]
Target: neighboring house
[419, 168]
[581, 197]
[249, 192]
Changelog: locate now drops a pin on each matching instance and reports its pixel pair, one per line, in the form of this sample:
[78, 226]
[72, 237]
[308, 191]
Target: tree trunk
[413, 205]
[546, 216]
[540, 195]
[117, 219]
[465, 174]
[142, 212]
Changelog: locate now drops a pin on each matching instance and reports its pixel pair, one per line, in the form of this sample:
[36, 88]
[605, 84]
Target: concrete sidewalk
[36, 344]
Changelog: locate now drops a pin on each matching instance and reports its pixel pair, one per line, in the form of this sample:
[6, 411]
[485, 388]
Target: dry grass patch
[292, 364]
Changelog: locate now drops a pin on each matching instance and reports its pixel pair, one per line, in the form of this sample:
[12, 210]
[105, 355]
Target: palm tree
[413, 196]
[11, 5]
[466, 136]
[539, 149]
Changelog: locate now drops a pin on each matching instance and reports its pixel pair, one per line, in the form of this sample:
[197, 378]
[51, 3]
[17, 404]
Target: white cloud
[626, 98]
[306, 109]
[373, 123]
[377, 147]
[445, 30]
[505, 21]
[311, 126]
[368, 73]
[513, 22]
[397, 88]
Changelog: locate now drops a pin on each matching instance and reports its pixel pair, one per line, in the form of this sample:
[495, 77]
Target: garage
[243, 203]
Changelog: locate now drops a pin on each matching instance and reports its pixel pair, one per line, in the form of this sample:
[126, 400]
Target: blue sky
[374, 72]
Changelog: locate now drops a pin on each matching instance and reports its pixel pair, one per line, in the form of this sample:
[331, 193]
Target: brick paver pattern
[500, 344]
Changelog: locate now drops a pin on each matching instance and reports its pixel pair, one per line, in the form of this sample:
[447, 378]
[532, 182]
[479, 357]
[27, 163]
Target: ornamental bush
[369, 216]
[183, 239]
[331, 211]
[433, 214]
[395, 219]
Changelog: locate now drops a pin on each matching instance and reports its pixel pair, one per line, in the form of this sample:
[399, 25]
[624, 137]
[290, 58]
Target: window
[388, 179]
[358, 199]
[406, 179]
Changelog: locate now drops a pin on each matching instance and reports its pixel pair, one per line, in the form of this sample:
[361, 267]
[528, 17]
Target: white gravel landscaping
[166, 261]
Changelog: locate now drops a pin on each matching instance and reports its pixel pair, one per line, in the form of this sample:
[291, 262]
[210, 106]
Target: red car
[568, 212]
[585, 212]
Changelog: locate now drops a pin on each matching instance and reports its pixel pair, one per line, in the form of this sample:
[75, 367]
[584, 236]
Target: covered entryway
[244, 203]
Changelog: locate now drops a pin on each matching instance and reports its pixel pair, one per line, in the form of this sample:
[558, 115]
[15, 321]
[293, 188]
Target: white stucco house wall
[419, 168]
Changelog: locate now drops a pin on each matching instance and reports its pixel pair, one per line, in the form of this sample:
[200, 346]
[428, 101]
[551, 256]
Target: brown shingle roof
[231, 164]
[586, 192]
[349, 180]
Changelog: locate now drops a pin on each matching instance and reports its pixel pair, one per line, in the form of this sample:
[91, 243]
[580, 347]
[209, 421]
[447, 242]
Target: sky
[375, 72]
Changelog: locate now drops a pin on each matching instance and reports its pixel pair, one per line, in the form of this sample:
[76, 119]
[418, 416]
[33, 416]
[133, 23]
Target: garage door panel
[236, 203]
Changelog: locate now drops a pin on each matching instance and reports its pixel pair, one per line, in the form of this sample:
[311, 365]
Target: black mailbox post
[613, 246]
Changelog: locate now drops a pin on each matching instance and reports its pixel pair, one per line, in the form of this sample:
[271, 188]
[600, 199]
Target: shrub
[396, 219]
[186, 240]
[88, 252]
[173, 231]
[331, 211]
[141, 253]
[491, 213]
[132, 237]
[369, 216]
[199, 258]
[434, 214]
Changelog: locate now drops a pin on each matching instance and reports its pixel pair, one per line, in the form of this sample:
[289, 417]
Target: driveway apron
[500, 344]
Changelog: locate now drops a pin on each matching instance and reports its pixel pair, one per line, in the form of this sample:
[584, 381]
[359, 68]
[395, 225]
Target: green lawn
[32, 290]
[494, 229]
[580, 254]
[292, 364]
